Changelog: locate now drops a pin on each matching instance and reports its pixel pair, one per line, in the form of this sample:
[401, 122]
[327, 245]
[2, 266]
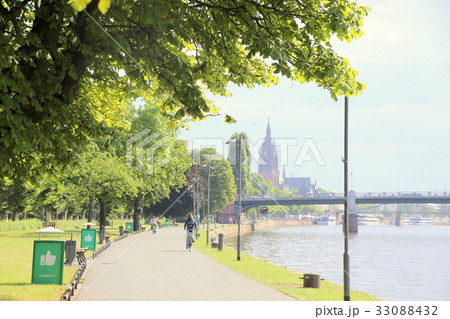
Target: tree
[246, 159]
[157, 159]
[101, 175]
[16, 197]
[65, 72]
[265, 186]
[222, 188]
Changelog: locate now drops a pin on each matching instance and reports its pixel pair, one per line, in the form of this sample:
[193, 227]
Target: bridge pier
[353, 223]
[399, 219]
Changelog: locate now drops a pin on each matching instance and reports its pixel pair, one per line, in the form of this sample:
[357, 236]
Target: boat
[367, 219]
[326, 220]
[405, 221]
[422, 221]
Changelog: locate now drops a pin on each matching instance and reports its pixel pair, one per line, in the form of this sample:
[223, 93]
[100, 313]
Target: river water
[393, 263]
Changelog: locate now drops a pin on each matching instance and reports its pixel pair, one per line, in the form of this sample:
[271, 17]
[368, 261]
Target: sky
[399, 127]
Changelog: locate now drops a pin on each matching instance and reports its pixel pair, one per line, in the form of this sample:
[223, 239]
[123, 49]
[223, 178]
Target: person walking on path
[190, 226]
[153, 223]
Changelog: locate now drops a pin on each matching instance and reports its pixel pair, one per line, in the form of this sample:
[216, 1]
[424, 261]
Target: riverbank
[384, 258]
[281, 278]
[232, 229]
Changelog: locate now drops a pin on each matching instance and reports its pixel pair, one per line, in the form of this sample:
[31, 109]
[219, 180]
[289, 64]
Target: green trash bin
[167, 223]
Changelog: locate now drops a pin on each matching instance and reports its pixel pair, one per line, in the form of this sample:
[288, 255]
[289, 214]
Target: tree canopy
[66, 69]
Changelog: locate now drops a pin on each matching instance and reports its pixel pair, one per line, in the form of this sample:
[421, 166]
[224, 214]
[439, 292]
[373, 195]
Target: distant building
[268, 161]
[268, 167]
[300, 185]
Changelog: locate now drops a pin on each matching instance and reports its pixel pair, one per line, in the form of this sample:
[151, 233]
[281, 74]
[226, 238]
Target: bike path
[157, 267]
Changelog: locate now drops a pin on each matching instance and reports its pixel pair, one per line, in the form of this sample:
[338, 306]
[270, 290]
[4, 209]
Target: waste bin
[220, 241]
[120, 230]
[71, 250]
[311, 280]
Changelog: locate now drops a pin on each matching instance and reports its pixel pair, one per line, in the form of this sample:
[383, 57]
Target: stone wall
[229, 230]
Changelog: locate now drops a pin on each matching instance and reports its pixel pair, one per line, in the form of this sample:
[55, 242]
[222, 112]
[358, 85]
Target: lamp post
[238, 209]
[196, 205]
[346, 219]
[215, 214]
[239, 200]
[209, 190]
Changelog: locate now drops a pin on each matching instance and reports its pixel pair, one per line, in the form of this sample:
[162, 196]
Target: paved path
[158, 267]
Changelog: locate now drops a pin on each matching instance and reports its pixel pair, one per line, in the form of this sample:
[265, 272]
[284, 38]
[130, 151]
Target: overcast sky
[399, 137]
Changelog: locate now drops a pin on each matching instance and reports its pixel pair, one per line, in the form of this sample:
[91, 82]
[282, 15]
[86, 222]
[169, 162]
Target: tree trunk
[102, 215]
[90, 208]
[66, 212]
[137, 211]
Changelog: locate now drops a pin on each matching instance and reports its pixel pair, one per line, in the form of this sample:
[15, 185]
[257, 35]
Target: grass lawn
[280, 278]
[16, 264]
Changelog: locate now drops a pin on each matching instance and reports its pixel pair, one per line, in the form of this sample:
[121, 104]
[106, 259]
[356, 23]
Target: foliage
[246, 159]
[65, 73]
[160, 160]
[222, 188]
[265, 187]
[25, 224]
[103, 176]
[175, 205]
[15, 196]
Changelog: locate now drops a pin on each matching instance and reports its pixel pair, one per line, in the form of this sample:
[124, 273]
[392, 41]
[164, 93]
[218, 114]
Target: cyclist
[153, 223]
[190, 226]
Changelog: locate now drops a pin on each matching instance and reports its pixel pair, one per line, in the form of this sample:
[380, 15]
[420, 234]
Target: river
[406, 263]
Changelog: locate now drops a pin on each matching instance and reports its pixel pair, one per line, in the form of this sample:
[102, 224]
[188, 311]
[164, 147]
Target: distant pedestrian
[153, 223]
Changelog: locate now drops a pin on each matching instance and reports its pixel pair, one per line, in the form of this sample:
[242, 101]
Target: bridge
[416, 198]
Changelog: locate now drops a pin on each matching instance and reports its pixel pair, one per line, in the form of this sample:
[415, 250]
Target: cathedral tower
[268, 164]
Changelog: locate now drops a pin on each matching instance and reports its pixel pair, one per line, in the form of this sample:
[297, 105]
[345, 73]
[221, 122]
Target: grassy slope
[16, 263]
[16, 268]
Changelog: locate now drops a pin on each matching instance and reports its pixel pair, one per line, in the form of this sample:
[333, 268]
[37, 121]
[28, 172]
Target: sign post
[48, 262]
[88, 237]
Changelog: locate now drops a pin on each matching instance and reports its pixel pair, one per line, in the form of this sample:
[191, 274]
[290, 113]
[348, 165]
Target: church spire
[268, 128]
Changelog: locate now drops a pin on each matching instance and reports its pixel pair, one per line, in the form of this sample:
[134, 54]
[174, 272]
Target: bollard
[220, 242]
[71, 250]
[311, 280]
[120, 230]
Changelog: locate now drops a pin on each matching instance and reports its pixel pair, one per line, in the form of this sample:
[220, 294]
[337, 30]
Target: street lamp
[209, 196]
[196, 202]
[209, 190]
[346, 219]
[238, 209]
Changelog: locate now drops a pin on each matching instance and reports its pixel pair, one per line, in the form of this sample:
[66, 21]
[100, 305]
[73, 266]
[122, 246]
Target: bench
[49, 224]
[107, 237]
[80, 255]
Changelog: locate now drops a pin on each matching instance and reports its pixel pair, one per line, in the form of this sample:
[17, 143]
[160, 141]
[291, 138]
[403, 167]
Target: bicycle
[190, 239]
[154, 229]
